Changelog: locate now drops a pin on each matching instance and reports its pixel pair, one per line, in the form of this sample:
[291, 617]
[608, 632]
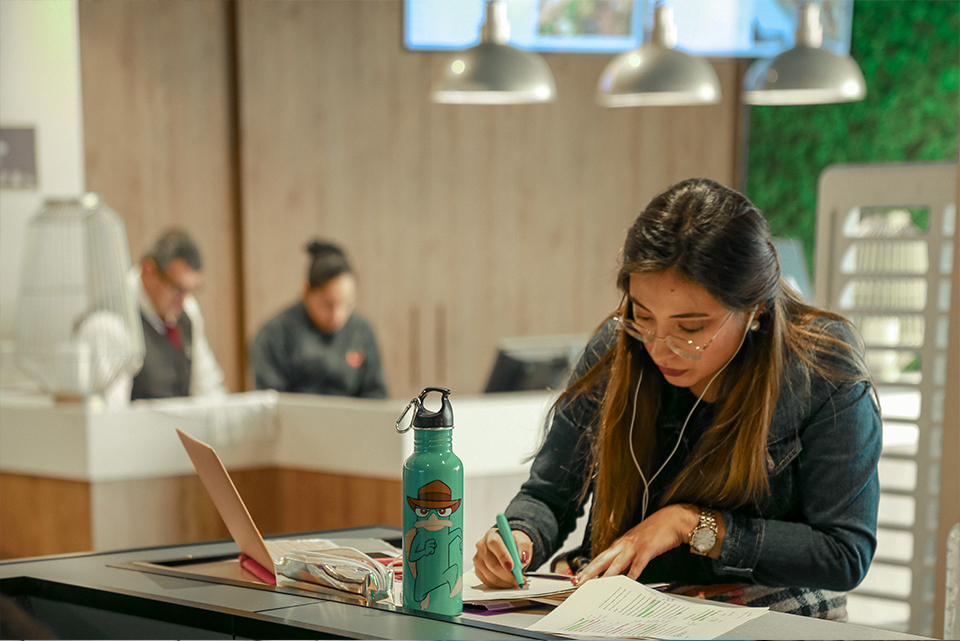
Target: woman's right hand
[492, 562]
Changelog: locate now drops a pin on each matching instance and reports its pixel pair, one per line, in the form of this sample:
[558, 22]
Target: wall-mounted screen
[716, 28]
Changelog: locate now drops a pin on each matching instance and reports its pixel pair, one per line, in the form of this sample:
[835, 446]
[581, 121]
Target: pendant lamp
[805, 74]
[493, 72]
[657, 73]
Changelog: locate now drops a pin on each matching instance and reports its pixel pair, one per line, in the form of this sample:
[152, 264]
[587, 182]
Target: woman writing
[725, 430]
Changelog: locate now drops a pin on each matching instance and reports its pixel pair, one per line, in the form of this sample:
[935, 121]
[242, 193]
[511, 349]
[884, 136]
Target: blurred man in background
[178, 360]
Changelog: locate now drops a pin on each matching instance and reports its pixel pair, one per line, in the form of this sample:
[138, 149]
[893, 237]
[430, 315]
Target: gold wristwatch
[704, 536]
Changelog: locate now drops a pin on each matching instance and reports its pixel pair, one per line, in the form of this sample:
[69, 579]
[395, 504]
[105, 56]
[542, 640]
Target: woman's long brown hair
[715, 238]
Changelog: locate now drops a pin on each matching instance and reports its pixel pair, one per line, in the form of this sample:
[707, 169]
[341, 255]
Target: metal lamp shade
[804, 76]
[495, 74]
[654, 75]
[78, 326]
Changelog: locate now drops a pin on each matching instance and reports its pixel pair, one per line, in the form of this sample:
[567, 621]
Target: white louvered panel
[884, 257]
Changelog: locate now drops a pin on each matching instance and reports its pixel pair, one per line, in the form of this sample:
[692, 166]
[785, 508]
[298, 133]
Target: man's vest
[166, 369]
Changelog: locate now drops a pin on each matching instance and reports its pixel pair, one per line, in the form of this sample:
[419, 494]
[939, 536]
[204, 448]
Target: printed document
[619, 607]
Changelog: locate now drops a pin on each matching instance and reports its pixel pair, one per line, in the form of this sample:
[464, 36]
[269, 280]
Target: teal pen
[507, 537]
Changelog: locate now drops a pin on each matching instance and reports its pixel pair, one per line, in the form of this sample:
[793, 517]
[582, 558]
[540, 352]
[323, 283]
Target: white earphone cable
[646, 484]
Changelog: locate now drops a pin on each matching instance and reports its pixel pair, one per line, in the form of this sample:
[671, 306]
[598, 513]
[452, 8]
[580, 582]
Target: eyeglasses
[178, 290]
[683, 348]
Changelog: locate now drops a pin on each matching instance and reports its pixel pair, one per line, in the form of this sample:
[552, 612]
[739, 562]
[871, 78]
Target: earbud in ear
[755, 325]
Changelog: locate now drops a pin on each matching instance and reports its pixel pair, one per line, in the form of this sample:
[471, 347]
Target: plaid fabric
[820, 604]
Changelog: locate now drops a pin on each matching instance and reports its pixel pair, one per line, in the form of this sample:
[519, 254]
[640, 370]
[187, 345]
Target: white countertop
[493, 435]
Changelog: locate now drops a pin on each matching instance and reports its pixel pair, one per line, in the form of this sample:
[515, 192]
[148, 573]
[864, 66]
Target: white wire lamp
[805, 74]
[493, 72]
[657, 73]
[78, 326]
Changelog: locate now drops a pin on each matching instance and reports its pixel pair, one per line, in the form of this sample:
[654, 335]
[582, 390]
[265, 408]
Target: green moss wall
[909, 51]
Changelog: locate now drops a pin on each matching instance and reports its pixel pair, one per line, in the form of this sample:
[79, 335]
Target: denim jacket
[817, 529]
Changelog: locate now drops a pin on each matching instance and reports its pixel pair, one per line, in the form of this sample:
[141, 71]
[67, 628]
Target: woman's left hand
[664, 530]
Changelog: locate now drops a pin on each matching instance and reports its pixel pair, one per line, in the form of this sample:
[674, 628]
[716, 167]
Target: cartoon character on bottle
[430, 550]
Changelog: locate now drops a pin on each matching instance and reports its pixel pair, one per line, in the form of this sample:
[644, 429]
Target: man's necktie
[173, 333]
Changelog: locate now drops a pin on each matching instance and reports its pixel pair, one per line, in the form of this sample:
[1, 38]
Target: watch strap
[708, 521]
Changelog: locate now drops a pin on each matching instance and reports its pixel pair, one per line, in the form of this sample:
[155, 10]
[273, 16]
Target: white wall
[39, 88]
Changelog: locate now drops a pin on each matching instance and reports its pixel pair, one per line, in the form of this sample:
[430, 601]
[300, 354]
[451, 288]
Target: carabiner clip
[415, 401]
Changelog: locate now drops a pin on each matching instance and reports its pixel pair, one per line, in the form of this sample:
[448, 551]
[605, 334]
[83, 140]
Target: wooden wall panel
[152, 512]
[40, 516]
[318, 501]
[43, 516]
[157, 137]
[466, 223]
[165, 511]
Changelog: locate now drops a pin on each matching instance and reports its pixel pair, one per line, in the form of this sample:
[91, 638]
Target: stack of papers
[619, 607]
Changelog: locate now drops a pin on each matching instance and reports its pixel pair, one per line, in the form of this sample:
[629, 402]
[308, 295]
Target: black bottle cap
[441, 419]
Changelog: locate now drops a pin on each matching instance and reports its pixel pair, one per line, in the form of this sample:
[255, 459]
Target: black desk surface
[98, 595]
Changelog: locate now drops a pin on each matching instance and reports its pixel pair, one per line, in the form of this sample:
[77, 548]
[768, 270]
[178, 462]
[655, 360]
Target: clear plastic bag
[345, 569]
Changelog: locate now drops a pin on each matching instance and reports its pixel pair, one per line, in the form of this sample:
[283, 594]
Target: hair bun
[318, 248]
[327, 261]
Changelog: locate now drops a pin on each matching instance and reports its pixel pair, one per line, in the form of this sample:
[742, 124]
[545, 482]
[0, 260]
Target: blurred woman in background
[320, 345]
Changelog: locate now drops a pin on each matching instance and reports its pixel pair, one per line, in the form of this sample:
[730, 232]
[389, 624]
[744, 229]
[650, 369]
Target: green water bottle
[432, 511]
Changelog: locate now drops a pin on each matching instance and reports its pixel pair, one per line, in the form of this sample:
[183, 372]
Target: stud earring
[755, 325]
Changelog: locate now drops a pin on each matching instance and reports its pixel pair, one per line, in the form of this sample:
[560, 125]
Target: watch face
[703, 540]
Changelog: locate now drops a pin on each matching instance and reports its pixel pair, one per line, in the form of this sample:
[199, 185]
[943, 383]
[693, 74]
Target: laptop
[257, 555]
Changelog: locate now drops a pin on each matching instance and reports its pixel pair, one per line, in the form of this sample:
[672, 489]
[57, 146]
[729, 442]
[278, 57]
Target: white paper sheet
[622, 608]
